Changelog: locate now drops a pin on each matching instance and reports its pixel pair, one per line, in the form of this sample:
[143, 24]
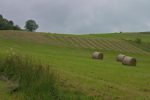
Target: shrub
[138, 40]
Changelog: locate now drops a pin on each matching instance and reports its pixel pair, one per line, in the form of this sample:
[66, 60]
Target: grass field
[70, 55]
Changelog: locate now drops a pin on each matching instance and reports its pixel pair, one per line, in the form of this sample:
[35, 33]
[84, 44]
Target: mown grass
[126, 36]
[34, 80]
[106, 80]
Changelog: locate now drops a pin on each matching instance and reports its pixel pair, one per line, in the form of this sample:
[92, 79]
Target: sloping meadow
[29, 79]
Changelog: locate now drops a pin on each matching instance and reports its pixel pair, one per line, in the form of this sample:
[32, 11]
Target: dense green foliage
[31, 25]
[7, 25]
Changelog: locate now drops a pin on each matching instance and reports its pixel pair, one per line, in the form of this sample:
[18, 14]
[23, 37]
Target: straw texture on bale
[120, 57]
[129, 61]
[97, 55]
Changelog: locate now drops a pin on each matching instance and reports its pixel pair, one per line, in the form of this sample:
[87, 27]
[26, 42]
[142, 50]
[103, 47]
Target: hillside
[126, 36]
[112, 42]
[70, 55]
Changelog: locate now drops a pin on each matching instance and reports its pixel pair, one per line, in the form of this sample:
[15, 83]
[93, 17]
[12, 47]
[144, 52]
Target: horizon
[80, 16]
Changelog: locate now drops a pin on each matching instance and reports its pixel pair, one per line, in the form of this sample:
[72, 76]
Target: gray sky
[80, 16]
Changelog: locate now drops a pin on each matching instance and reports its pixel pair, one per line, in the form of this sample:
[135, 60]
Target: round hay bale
[129, 61]
[97, 55]
[120, 57]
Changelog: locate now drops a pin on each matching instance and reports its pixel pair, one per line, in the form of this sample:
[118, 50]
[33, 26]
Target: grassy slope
[71, 56]
[126, 36]
[130, 37]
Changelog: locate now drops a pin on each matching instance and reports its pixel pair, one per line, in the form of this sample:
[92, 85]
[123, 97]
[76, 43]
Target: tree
[1, 16]
[5, 24]
[11, 22]
[31, 25]
[16, 27]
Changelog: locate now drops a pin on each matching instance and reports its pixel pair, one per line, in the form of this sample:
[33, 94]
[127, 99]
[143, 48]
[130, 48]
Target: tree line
[5, 24]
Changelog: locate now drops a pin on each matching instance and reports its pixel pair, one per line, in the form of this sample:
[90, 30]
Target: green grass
[4, 92]
[127, 36]
[34, 80]
[71, 56]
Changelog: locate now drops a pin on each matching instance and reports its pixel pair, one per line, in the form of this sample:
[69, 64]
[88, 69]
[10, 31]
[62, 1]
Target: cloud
[80, 16]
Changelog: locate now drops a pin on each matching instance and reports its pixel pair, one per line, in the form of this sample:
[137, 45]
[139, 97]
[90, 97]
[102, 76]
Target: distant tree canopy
[7, 24]
[31, 25]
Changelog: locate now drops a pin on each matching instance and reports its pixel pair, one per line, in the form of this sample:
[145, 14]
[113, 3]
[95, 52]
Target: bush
[138, 40]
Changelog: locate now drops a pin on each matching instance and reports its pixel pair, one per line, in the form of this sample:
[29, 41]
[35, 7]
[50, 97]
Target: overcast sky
[80, 16]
